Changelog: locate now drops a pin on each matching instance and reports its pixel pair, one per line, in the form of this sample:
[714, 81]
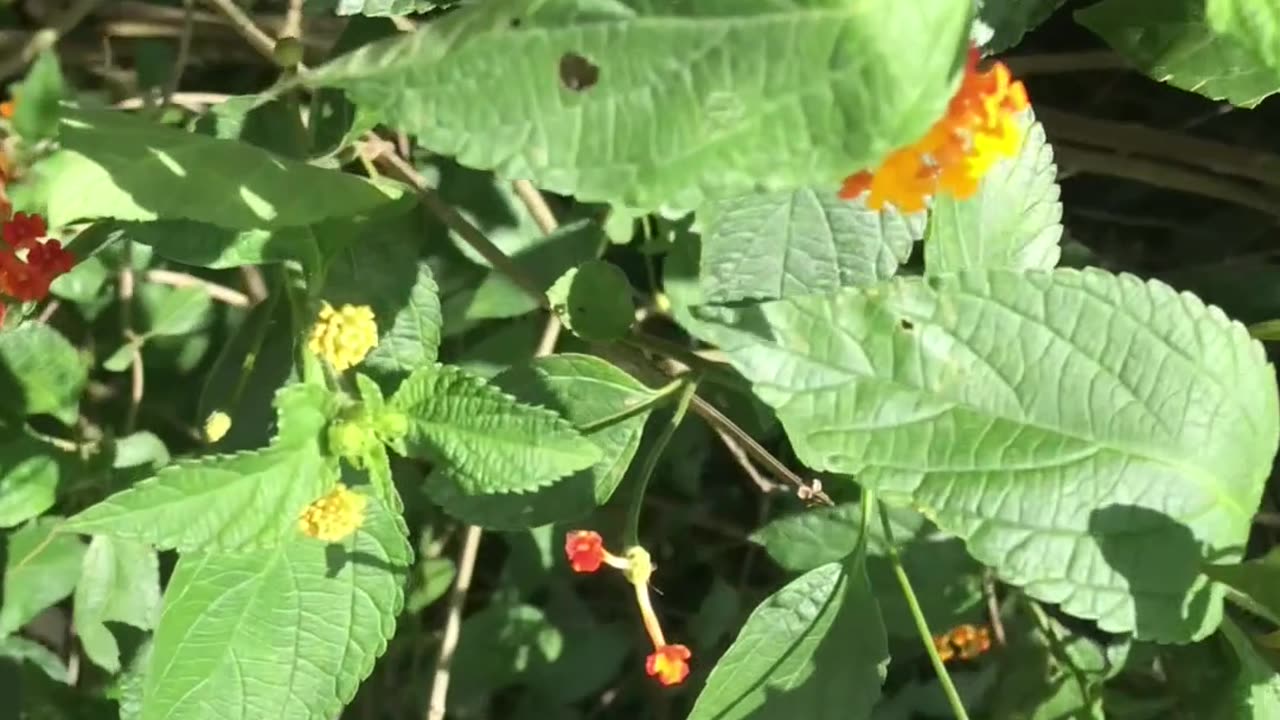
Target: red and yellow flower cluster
[980, 127]
[27, 265]
[586, 553]
[965, 642]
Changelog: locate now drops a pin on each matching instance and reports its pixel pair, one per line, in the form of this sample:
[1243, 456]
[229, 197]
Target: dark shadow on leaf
[337, 556]
[1160, 559]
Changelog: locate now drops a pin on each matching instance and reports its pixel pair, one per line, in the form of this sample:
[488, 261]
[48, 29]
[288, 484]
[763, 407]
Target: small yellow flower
[343, 337]
[216, 426]
[334, 516]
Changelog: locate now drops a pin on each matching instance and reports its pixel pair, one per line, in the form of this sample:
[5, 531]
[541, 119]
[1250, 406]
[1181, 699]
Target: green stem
[1058, 649]
[687, 388]
[659, 396]
[922, 626]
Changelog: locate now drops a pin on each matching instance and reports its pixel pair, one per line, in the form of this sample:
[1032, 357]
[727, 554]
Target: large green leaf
[814, 649]
[286, 633]
[1009, 20]
[143, 171]
[484, 439]
[1255, 24]
[29, 474]
[1013, 221]
[229, 502]
[40, 372]
[1062, 423]
[1174, 42]
[119, 582]
[41, 568]
[660, 103]
[775, 245]
[584, 390]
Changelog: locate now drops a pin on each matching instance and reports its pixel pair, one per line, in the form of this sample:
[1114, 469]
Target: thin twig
[1049, 63]
[765, 485]
[384, 153]
[221, 293]
[1174, 147]
[436, 705]
[48, 37]
[292, 26]
[1168, 176]
[993, 606]
[537, 206]
[246, 27]
[717, 419]
[126, 291]
[184, 52]
[196, 101]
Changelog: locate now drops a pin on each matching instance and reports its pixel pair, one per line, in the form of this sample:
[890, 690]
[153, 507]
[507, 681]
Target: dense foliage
[574, 359]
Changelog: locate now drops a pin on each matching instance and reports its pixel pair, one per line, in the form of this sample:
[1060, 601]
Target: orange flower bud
[669, 663]
[585, 550]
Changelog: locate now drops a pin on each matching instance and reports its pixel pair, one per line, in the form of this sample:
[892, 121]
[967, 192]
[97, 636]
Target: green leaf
[482, 438]
[947, 581]
[41, 569]
[286, 633]
[1255, 691]
[29, 474]
[594, 301]
[1052, 677]
[144, 171]
[543, 262]
[119, 582]
[650, 104]
[169, 311]
[435, 577]
[496, 646]
[16, 647]
[1174, 42]
[814, 649]
[40, 373]
[775, 245]
[37, 98]
[385, 272]
[229, 502]
[585, 390]
[1254, 24]
[1258, 580]
[1011, 19]
[255, 361]
[373, 8]
[1062, 423]
[1013, 221]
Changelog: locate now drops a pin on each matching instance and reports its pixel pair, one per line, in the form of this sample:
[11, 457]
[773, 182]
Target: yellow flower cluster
[343, 337]
[334, 516]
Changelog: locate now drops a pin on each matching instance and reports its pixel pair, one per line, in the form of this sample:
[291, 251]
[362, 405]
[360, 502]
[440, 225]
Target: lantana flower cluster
[669, 663]
[27, 265]
[981, 126]
[964, 642]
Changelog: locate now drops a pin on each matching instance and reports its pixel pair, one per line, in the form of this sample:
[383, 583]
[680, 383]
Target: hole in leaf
[906, 324]
[515, 22]
[578, 73]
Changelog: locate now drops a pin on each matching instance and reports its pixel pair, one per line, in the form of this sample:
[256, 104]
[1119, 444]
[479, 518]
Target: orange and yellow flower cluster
[965, 642]
[980, 127]
[586, 553]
